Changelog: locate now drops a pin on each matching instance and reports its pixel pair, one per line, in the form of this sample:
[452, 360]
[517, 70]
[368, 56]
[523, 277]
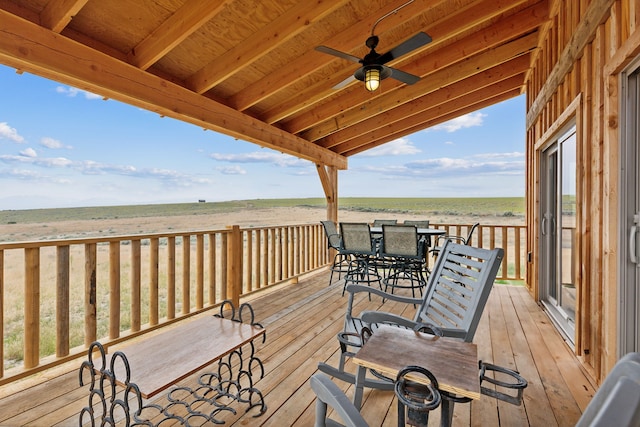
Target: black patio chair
[340, 264]
[405, 253]
[357, 243]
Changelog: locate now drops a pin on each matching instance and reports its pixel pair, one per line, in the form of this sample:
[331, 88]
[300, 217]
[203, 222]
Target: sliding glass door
[629, 293]
[558, 231]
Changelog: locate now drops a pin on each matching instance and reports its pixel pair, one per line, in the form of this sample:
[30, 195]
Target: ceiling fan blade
[403, 77]
[413, 43]
[344, 83]
[330, 51]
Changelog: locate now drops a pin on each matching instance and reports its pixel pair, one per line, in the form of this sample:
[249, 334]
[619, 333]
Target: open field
[39, 224]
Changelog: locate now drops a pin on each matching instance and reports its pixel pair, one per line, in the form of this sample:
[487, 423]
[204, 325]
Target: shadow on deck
[302, 321]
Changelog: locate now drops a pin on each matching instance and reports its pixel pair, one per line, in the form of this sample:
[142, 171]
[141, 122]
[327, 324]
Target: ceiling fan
[373, 69]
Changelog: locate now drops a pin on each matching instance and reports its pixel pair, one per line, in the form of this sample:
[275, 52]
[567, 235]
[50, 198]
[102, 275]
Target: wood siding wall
[575, 77]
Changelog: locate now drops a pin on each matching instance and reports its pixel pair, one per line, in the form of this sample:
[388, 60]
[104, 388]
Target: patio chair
[417, 223]
[405, 253]
[617, 401]
[456, 293]
[414, 401]
[420, 224]
[357, 243]
[464, 240]
[341, 259]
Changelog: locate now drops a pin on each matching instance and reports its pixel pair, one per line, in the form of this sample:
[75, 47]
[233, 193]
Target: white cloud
[398, 147]
[232, 170]
[29, 152]
[466, 121]
[7, 132]
[72, 92]
[52, 143]
[267, 157]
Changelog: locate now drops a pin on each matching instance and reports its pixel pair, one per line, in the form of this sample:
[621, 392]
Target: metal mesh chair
[357, 242]
[341, 259]
[405, 253]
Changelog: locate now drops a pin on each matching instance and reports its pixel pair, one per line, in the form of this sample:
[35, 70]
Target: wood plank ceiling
[249, 68]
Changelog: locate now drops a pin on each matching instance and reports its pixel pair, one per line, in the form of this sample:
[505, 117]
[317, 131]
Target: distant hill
[448, 206]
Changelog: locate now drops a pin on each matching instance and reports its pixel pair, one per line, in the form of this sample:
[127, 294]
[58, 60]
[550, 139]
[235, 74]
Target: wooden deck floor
[302, 321]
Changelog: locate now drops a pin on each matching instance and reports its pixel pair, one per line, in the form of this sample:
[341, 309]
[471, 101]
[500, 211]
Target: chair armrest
[371, 317]
[329, 394]
[353, 289]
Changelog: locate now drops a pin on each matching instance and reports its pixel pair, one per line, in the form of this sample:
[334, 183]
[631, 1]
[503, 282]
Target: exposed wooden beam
[285, 27]
[349, 40]
[57, 14]
[508, 70]
[473, 44]
[433, 114]
[440, 31]
[347, 111]
[597, 12]
[185, 21]
[452, 115]
[30, 47]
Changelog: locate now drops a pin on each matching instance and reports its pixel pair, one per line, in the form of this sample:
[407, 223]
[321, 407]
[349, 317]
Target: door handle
[632, 245]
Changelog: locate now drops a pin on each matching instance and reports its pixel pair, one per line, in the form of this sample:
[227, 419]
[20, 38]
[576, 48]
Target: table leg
[359, 387]
[446, 408]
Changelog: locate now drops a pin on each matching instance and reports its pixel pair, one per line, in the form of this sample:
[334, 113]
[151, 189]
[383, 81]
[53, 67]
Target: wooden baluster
[199, 271]
[154, 285]
[91, 294]
[136, 270]
[114, 289]
[62, 301]
[212, 269]
[171, 277]
[186, 274]
[31, 307]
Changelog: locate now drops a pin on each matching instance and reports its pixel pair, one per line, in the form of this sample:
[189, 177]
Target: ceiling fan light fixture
[372, 78]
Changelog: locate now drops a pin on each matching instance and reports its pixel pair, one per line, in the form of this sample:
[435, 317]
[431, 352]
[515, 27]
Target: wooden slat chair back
[460, 289]
[457, 292]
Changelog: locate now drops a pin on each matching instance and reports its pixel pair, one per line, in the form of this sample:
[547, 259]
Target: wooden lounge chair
[456, 293]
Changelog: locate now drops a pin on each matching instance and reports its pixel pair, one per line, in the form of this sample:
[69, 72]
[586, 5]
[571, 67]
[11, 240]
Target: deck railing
[58, 296]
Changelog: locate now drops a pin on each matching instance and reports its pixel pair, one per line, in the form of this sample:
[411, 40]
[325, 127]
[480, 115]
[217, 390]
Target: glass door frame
[554, 265]
[629, 239]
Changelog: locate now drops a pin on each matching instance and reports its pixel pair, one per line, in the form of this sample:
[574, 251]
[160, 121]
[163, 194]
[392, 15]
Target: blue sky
[63, 147]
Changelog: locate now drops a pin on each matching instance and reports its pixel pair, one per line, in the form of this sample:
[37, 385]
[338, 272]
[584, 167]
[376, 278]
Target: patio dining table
[453, 362]
[426, 233]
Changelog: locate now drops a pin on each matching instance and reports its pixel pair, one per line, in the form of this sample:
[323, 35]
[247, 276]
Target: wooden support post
[1, 309]
[234, 265]
[329, 180]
